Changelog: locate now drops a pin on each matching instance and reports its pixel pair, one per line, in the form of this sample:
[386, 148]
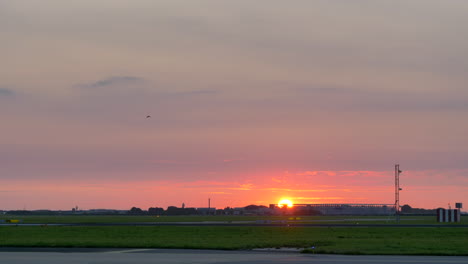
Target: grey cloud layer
[275, 82]
[111, 81]
[364, 35]
[348, 98]
[6, 92]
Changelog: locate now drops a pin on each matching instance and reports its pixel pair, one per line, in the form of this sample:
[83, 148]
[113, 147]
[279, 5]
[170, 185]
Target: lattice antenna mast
[397, 189]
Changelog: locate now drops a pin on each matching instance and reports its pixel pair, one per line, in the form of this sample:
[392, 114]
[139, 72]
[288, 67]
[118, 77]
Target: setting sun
[284, 202]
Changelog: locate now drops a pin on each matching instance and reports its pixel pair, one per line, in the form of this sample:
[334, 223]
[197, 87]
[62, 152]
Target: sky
[250, 102]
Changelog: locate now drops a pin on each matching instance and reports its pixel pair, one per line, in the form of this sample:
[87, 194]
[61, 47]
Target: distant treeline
[171, 210]
[247, 210]
[406, 209]
[61, 212]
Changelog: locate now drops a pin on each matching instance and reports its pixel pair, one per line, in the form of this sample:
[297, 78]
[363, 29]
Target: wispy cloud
[6, 92]
[344, 173]
[194, 92]
[328, 90]
[373, 99]
[278, 180]
[113, 80]
[317, 198]
[243, 187]
[232, 160]
[216, 192]
[299, 190]
[173, 162]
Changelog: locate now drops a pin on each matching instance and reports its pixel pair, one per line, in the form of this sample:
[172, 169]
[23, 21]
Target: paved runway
[243, 224]
[175, 256]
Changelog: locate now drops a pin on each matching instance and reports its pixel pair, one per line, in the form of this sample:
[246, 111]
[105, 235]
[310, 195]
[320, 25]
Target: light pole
[397, 192]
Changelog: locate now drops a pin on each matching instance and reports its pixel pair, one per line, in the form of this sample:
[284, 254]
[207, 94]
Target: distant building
[238, 211]
[206, 210]
[105, 211]
[336, 209]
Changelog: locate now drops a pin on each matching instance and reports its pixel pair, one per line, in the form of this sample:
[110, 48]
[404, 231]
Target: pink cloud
[420, 189]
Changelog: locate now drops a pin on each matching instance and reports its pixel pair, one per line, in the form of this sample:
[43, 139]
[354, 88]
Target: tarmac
[178, 256]
[291, 224]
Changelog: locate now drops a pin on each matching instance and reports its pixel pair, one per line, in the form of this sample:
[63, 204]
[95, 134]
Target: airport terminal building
[336, 209]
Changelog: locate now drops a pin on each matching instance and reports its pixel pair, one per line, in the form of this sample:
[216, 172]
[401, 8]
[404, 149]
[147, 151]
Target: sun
[285, 202]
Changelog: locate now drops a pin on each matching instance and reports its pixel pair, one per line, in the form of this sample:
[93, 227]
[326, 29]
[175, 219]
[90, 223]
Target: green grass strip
[331, 240]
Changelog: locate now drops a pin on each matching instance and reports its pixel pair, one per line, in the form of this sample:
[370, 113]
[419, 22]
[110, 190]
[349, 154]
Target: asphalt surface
[175, 256]
[243, 224]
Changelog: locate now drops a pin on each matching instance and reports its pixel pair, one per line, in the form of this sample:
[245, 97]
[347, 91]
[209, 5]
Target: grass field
[90, 219]
[337, 240]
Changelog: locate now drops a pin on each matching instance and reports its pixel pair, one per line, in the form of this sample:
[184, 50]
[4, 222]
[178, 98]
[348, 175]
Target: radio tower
[397, 192]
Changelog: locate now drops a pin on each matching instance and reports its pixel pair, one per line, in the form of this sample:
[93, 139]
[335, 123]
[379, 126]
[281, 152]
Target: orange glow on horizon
[285, 202]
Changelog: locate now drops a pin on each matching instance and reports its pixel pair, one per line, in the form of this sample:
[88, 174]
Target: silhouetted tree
[406, 209]
[155, 211]
[136, 211]
[254, 207]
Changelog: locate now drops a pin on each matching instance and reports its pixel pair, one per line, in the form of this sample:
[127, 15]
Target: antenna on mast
[397, 192]
[209, 205]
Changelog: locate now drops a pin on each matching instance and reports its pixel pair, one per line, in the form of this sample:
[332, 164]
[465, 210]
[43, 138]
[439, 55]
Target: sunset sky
[250, 102]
